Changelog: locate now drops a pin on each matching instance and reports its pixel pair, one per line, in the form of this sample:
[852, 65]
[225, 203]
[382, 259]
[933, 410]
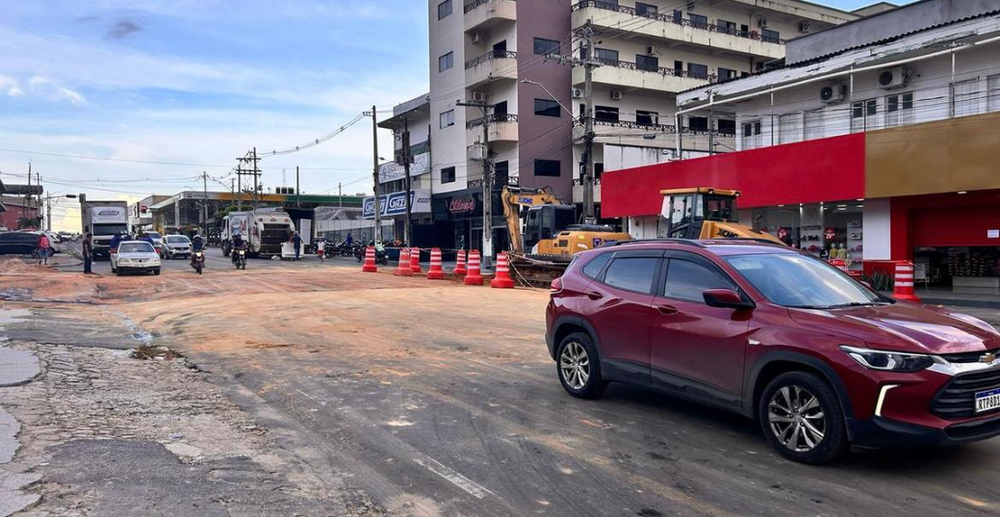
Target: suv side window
[632, 273]
[596, 265]
[686, 280]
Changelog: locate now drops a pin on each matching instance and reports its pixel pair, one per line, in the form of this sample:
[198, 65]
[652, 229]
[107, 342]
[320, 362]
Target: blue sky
[199, 82]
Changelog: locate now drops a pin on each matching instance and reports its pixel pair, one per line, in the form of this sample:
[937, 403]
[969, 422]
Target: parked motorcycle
[198, 261]
[240, 258]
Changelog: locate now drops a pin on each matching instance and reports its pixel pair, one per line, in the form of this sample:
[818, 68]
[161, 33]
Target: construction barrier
[460, 263]
[370, 266]
[903, 282]
[435, 272]
[474, 276]
[403, 268]
[415, 260]
[502, 278]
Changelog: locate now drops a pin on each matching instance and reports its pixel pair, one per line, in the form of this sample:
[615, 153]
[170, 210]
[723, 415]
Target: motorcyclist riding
[197, 244]
[238, 244]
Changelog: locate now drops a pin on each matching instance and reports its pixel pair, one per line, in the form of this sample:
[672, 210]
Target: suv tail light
[556, 286]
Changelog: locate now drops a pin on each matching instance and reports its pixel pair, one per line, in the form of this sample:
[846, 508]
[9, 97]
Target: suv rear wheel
[801, 416]
[579, 367]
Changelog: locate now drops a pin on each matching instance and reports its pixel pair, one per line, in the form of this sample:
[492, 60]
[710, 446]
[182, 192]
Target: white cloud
[11, 86]
[55, 90]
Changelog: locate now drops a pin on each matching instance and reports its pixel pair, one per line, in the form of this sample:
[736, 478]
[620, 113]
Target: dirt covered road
[410, 397]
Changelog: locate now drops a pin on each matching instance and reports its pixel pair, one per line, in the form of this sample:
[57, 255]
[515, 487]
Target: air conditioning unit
[762, 23]
[651, 49]
[617, 95]
[833, 94]
[477, 152]
[478, 96]
[577, 93]
[893, 78]
[805, 27]
[477, 37]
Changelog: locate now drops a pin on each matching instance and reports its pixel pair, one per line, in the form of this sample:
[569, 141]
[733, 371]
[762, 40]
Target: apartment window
[698, 123]
[678, 16]
[649, 63]
[501, 174]
[646, 10]
[545, 47]
[500, 109]
[993, 93]
[606, 113]
[965, 97]
[789, 128]
[751, 134]
[726, 74]
[697, 71]
[446, 61]
[698, 21]
[899, 109]
[444, 9]
[770, 36]
[647, 118]
[547, 108]
[727, 127]
[727, 27]
[447, 118]
[448, 175]
[678, 68]
[606, 55]
[813, 122]
[863, 115]
[548, 168]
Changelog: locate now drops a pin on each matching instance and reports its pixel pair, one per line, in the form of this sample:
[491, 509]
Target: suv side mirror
[726, 298]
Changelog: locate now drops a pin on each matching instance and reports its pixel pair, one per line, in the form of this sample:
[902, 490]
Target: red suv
[820, 360]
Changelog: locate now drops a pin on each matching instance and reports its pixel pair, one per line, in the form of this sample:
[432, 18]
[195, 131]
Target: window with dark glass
[726, 26]
[698, 21]
[648, 118]
[501, 175]
[632, 274]
[598, 170]
[446, 61]
[727, 126]
[688, 280]
[697, 71]
[698, 123]
[678, 67]
[678, 16]
[726, 74]
[544, 47]
[644, 62]
[444, 9]
[596, 265]
[647, 10]
[606, 55]
[548, 168]
[770, 36]
[448, 175]
[547, 108]
[606, 113]
[500, 109]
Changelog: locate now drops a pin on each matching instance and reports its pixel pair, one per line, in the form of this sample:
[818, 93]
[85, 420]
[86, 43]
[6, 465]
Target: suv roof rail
[689, 242]
[748, 240]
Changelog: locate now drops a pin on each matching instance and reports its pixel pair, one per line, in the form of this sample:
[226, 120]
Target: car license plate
[988, 400]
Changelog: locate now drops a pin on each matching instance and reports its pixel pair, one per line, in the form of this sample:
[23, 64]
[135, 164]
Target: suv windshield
[178, 239]
[135, 247]
[798, 281]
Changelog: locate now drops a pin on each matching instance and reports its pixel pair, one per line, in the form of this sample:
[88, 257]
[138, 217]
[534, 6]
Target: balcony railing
[671, 18]
[662, 128]
[476, 3]
[494, 118]
[489, 56]
[662, 70]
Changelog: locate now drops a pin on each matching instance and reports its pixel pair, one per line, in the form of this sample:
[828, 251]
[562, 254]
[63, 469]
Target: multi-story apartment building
[414, 117]
[874, 140]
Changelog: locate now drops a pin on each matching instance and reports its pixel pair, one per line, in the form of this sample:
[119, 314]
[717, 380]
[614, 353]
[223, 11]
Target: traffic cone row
[415, 260]
[460, 263]
[370, 266]
[404, 268]
[409, 263]
[474, 276]
[435, 272]
[502, 278]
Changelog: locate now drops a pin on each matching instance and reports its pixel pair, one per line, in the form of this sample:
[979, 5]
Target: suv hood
[905, 327]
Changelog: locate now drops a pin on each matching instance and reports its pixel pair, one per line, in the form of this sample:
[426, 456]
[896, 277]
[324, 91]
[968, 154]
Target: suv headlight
[889, 361]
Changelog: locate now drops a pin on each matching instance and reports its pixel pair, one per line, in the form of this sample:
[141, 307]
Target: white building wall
[448, 144]
[877, 236]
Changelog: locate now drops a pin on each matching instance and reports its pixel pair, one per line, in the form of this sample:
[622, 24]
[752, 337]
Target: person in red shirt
[43, 249]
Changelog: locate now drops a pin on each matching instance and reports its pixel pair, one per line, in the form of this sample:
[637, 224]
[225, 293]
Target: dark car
[18, 243]
[819, 359]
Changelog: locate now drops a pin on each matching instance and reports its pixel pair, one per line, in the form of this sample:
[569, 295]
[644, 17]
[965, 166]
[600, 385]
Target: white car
[136, 256]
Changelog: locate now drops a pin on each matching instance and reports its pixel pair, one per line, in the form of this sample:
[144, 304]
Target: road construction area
[303, 390]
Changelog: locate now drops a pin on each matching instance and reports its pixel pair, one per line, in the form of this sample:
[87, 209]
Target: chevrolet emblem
[987, 358]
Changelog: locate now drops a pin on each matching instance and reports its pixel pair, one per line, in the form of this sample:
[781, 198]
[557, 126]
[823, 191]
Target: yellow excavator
[551, 235]
[705, 213]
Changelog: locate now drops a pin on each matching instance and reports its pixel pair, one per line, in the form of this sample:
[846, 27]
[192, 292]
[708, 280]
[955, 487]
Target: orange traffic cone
[403, 268]
[903, 282]
[502, 279]
[415, 260]
[474, 276]
[435, 272]
[460, 263]
[369, 266]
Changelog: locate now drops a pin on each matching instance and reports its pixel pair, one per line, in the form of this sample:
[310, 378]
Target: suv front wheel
[801, 416]
[579, 367]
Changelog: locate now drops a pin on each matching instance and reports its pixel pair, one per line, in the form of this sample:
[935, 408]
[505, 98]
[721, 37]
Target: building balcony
[662, 136]
[491, 66]
[628, 75]
[503, 128]
[482, 15]
[667, 27]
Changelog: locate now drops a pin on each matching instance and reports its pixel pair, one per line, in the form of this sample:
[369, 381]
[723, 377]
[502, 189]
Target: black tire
[833, 442]
[593, 386]
[156, 271]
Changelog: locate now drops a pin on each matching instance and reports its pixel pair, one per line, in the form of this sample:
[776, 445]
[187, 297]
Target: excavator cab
[704, 213]
[544, 222]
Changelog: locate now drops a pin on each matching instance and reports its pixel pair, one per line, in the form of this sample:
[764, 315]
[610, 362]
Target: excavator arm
[513, 198]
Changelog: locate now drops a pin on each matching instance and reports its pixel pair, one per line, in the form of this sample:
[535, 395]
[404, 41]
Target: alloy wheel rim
[574, 363]
[796, 418]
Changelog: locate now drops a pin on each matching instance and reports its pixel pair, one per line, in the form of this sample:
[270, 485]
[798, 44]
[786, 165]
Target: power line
[123, 160]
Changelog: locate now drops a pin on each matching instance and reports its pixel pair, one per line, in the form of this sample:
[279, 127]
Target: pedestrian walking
[296, 241]
[88, 254]
[43, 248]
[321, 249]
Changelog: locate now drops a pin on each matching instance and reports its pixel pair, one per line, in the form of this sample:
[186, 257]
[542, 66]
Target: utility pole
[340, 195]
[256, 179]
[378, 218]
[406, 170]
[239, 186]
[298, 198]
[487, 181]
[589, 63]
[204, 202]
[27, 195]
[48, 214]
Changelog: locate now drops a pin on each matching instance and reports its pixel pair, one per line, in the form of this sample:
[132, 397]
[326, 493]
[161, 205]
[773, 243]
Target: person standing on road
[296, 241]
[117, 238]
[88, 254]
[321, 249]
[43, 248]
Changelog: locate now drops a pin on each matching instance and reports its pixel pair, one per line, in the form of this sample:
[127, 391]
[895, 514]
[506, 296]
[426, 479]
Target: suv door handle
[667, 310]
[595, 295]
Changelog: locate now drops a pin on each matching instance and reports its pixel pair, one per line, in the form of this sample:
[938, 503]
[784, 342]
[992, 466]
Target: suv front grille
[958, 398]
[968, 357]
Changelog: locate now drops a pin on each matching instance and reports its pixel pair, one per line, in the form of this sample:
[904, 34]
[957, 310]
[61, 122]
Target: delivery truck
[103, 219]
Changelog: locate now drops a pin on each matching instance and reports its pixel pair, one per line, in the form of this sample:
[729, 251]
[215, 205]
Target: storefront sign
[393, 171]
[392, 205]
[829, 233]
[462, 205]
